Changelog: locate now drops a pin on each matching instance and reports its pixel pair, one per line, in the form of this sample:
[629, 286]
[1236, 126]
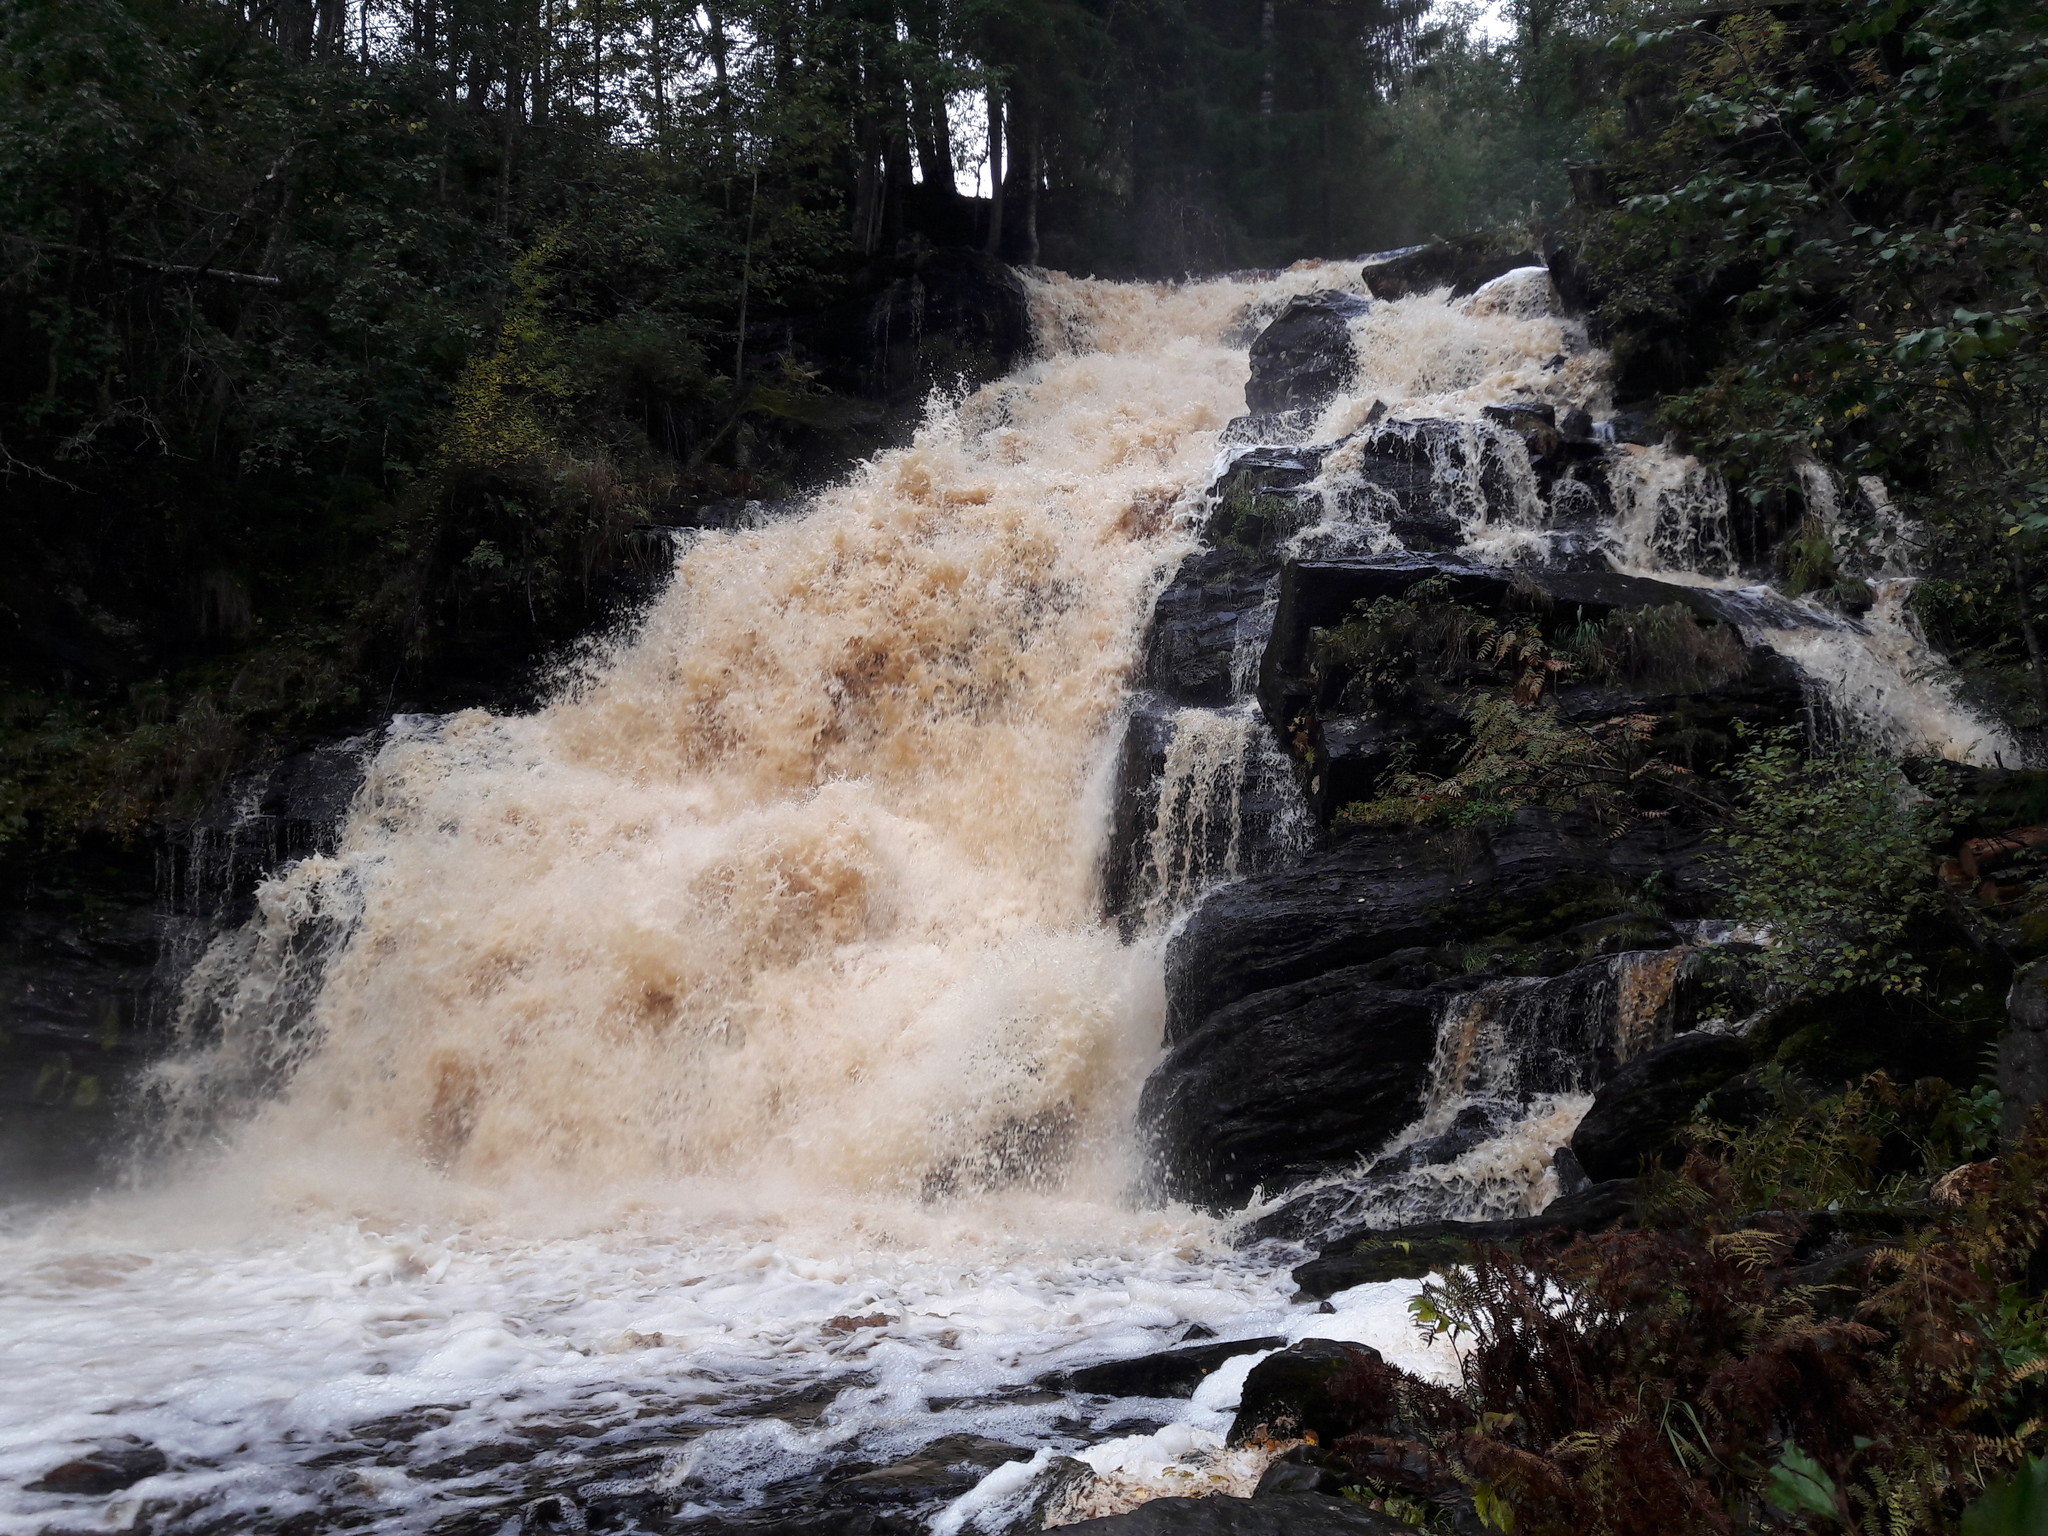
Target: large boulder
[1636, 1117]
[1463, 265]
[1298, 1393]
[1305, 356]
[1280, 1085]
[1381, 891]
[1167, 1373]
[1287, 1514]
[1262, 497]
[1303, 1003]
[1209, 609]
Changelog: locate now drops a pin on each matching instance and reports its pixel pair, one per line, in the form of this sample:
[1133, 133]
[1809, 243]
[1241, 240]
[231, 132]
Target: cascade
[730, 1070]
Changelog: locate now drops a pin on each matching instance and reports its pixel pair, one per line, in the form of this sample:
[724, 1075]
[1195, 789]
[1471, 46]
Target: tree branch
[170, 268]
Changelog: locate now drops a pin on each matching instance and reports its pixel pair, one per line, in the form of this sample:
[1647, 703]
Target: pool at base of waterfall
[407, 1382]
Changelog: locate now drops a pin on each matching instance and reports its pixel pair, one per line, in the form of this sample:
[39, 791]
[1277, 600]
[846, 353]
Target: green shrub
[1829, 855]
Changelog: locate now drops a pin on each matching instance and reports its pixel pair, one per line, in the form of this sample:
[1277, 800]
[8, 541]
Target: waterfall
[729, 1070]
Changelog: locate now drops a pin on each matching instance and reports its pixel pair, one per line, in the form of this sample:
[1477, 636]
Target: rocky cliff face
[1449, 857]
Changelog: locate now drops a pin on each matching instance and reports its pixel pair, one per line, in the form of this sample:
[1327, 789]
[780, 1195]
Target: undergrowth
[1500, 674]
[1811, 1331]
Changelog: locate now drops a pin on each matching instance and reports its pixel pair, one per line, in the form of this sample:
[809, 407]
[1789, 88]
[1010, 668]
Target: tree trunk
[330, 31]
[1266, 57]
[934, 136]
[658, 66]
[994, 244]
[515, 106]
[293, 22]
[723, 94]
[1024, 161]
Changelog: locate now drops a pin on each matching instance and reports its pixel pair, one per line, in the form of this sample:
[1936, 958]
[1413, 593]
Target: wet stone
[1169, 1373]
[107, 1470]
[944, 1469]
[1288, 1514]
[1305, 356]
[480, 1458]
[1293, 1395]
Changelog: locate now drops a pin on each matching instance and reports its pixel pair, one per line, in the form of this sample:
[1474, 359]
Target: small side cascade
[1509, 1043]
[1880, 679]
[1225, 804]
[1516, 1064]
[1671, 515]
[1199, 824]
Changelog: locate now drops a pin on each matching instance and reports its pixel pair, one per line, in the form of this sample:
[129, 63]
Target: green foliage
[1829, 855]
[1827, 243]
[2017, 1506]
[1799, 1485]
[1427, 646]
[1518, 757]
[1871, 1143]
[1703, 1374]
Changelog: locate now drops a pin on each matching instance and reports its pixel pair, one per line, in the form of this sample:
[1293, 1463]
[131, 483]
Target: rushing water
[727, 1069]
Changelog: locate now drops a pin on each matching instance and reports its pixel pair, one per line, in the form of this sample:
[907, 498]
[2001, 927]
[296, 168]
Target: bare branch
[170, 268]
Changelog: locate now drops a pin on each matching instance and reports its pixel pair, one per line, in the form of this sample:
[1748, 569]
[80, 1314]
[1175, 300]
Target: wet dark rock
[1305, 1469]
[114, 1466]
[1332, 1209]
[1347, 743]
[1522, 415]
[1399, 469]
[1291, 1514]
[270, 816]
[1215, 597]
[1169, 1373]
[648, 1508]
[1634, 1118]
[1575, 425]
[1280, 1085]
[1354, 752]
[2023, 1048]
[942, 1470]
[1268, 427]
[1473, 1124]
[1289, 1395]
[481, 1458]
[1637, 427]
[1380, 891]
[1305, 356]
[1463, 265]
[1262, 497]
[1317, 593]
[80, 988]
[1571, 1173]
[1409, 1252]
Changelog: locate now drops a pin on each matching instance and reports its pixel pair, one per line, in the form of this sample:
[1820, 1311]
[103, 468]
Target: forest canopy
[355, 345]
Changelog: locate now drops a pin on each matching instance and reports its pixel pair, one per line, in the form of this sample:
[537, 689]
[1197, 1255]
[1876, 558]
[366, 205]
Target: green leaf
[2016, 1507]
[1799, 1485]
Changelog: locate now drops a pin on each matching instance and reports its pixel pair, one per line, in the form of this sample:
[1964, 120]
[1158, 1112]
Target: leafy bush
[1497, 670]
[1829, 855]
[1731, 1370]
[1518, 757]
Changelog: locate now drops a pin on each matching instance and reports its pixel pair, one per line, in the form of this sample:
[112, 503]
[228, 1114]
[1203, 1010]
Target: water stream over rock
[696, 1100]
